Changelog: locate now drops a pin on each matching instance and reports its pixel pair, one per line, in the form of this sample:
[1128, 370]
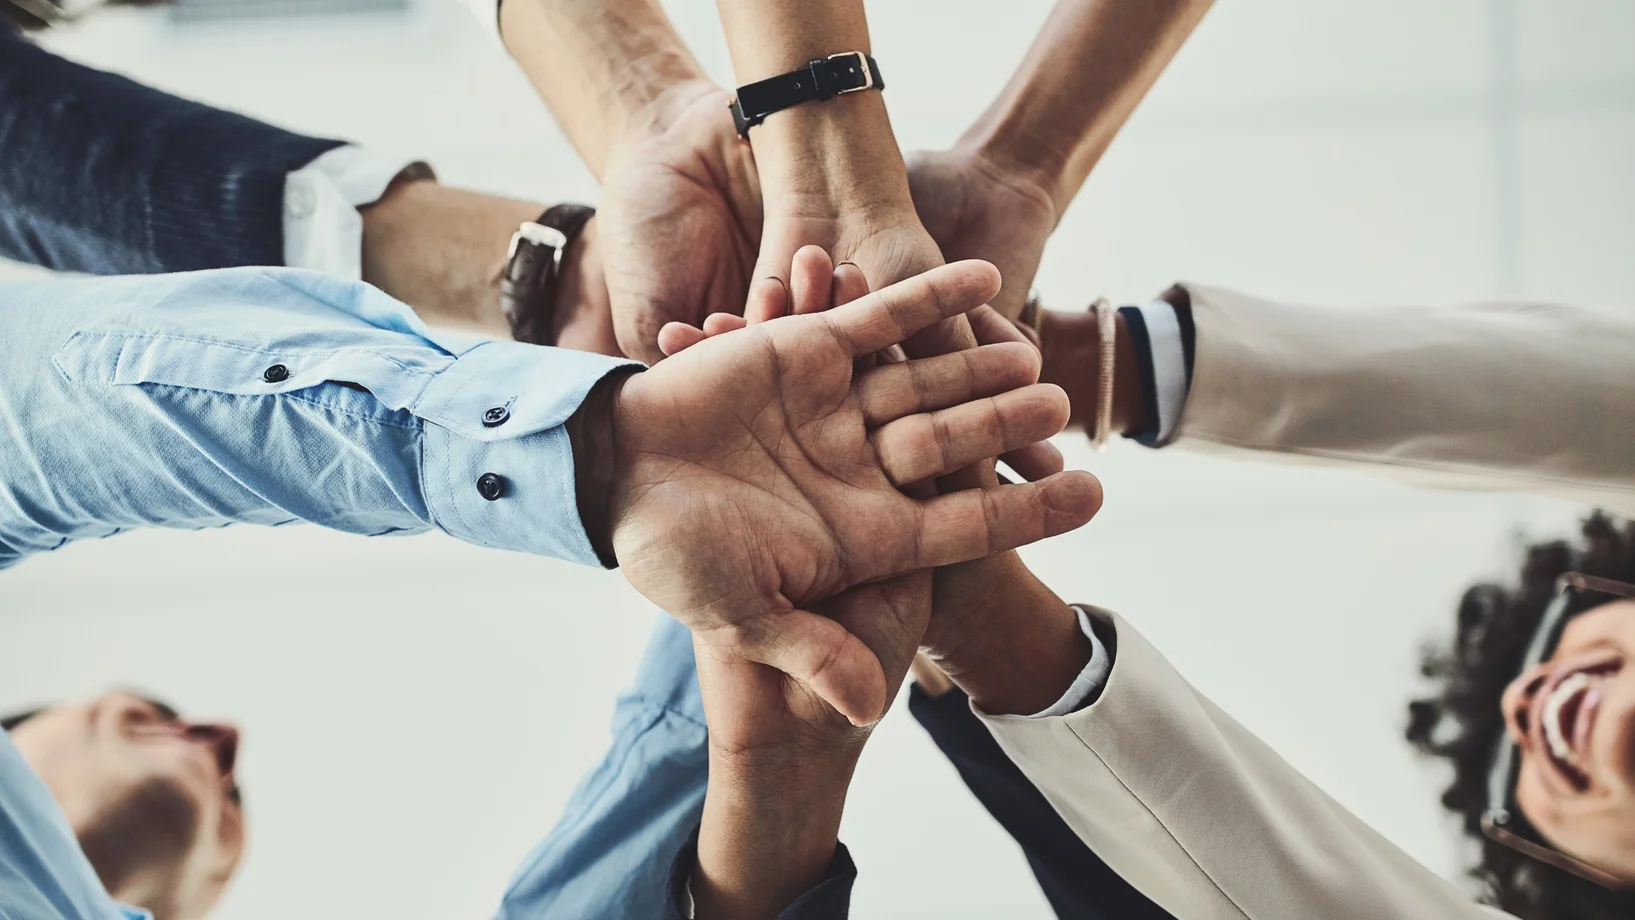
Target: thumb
[820, 653]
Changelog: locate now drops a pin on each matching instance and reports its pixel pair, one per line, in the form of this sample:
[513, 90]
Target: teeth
[1551, 716]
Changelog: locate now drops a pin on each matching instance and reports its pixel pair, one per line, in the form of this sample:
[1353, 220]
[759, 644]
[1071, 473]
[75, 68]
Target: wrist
[599, 464]
[1021, 156]
[1070, 348]
[766, 837]
[442, 250]
[1012, 645]
[839, 154]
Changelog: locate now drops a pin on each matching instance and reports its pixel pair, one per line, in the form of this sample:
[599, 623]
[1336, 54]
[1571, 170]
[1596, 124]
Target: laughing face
[1573, 718]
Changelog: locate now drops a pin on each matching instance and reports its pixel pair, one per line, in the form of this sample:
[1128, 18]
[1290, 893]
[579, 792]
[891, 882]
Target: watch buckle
[539, 235]
[863, 64]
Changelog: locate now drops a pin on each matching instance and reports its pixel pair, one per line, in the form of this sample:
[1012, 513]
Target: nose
[220, 740]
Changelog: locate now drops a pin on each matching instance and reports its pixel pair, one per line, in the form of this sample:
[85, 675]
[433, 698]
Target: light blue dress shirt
[270, 396]
[43, 873]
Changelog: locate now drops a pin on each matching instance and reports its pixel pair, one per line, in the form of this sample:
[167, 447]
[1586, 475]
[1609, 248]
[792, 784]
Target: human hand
[781, 759]
[993, 623]
[680, 217]
[759, 472]
[976, 210]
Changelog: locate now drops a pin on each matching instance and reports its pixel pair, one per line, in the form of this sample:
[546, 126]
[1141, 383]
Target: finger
[932, 444]
[849, 284]
[975, 523]
[991, 327]
[1035, 461]
[717, 323]
[895, 390]
[811, 279]
[820, 653]
[678, 337]
[892, 314]
[768, 299]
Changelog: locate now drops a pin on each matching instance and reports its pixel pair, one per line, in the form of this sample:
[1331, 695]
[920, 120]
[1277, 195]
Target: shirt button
[278, 373]
[496, 417]
[491, 486]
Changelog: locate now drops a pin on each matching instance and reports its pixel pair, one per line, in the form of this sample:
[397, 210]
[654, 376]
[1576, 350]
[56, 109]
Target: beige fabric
[1204, 818]
[1177, 797]
[1524, 397]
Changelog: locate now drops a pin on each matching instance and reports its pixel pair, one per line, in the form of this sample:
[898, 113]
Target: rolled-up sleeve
[271, 396]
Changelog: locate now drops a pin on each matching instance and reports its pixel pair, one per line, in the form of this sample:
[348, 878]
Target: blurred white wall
[416, 711]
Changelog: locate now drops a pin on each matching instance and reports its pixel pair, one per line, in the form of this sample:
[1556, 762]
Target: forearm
[1090, 66]
[602, 66]
[768, 833]
[1010, 643]
[827, 159]
[213, 398]
[442, 251]
[103, 175]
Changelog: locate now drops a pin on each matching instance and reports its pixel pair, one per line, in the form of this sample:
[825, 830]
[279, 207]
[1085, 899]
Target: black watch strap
[825, 78]
[533, 271]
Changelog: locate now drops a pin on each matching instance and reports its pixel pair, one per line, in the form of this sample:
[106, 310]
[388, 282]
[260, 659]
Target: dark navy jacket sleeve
[103, 175]
[1075, 881]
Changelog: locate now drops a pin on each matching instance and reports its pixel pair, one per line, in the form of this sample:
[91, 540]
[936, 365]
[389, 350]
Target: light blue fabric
[43, 874]
[608, 858]
[146, 401]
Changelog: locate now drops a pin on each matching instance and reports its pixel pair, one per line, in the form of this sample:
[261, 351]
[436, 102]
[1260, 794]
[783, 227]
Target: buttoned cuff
[498, 469]
[323, 230]
[1088, 684]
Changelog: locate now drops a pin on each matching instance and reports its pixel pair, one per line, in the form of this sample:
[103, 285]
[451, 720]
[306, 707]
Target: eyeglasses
[1502, 821]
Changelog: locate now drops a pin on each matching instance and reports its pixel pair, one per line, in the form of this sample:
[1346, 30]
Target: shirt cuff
[499, 468]
[1090, 680]
[1161, 364]
[1169, 366]
[323, 230]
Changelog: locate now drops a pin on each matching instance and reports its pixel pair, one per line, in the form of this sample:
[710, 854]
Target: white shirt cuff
[1090, 680]
[1169, 365]
[323, 230]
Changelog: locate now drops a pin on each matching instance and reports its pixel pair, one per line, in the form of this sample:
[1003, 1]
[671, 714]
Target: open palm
[761, 471]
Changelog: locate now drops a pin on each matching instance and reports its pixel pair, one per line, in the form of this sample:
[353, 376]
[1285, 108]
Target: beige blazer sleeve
[1521, 397]
[1204, 818]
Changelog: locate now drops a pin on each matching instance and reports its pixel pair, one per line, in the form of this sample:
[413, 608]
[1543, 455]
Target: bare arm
[603, 67]
[1091, 65]
[998, 193]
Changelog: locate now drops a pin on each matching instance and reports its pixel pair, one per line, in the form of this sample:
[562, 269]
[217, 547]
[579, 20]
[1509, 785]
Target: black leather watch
[533, 271]
[825, 78]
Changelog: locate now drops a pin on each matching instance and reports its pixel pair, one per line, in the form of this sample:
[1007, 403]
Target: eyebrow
[165, 711]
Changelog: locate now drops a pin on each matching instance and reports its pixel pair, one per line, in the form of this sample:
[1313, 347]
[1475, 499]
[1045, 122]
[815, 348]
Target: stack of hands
[815, 514]
[804, 292]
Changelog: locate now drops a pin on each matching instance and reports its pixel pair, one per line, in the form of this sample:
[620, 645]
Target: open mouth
[1563, 712]
[1566, 715]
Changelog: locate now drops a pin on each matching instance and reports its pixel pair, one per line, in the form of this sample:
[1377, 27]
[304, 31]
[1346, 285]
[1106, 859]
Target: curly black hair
[1462, 723]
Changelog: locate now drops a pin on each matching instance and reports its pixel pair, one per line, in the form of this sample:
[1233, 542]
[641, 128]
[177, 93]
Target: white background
[416, 711]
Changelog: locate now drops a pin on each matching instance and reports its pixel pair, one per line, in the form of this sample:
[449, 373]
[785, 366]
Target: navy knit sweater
[103, 175]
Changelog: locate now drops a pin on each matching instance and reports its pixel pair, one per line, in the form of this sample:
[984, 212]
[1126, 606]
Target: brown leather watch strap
[533, 271]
